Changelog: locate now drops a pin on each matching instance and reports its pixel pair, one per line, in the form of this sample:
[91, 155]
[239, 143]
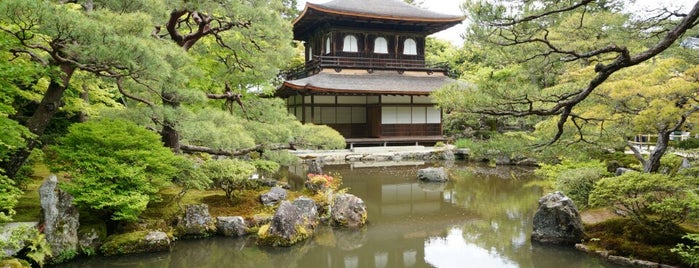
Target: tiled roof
[388, 82]
[383, 8]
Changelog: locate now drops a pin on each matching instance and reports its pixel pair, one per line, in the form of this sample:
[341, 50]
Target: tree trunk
[169, 134]
[38, 122]
[653, 162]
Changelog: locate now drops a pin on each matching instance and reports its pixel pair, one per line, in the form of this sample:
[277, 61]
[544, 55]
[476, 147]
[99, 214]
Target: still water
[481, 218]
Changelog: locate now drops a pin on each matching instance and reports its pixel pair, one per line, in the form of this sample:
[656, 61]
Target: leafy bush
[9, 196]
[319, 137]
[553, 172]
[688, 144]
[578, 183]
[510, 144]
[265, 167]
[689, 252]
[113, 166]
[648, 198]
[229, 175]
[25, 237]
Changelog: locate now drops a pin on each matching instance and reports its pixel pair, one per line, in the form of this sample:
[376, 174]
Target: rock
[273, 196]
[309, 210]
[527, 162]
[685, 164]
[60, 218]
[348, 211]
[448, 155]
[503, 160]
[197, 221]
[557, 221]
[432, 175]
[314, 167]
[136, 242]
[231, 226]
[621, 170]
[89, 241]
[259, 220]
[288, 227]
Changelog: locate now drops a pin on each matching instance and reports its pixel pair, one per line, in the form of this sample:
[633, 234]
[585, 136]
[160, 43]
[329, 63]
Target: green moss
[129, 243]
[627, 238]
[264, 238]
[14, 263]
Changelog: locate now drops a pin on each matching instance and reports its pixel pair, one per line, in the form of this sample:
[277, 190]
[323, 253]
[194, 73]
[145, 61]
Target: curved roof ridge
[385, 9]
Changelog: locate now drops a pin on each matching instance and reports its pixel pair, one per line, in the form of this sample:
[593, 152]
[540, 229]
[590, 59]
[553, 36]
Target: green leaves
[648, 197]
[113, 166]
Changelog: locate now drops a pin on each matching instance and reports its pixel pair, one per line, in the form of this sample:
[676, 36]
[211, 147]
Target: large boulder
[290, 225]
[197, 222]
[273, 196]
[136, 242]
[231, 226]
[60, 218]
[348, 211]
[432, 175]
[309, 210]
[314, 167]
[557, 221]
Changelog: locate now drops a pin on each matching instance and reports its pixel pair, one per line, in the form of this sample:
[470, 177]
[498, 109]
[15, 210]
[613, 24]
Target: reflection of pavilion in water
[403, 215]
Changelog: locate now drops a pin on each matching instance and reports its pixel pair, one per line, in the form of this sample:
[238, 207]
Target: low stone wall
[383, 154]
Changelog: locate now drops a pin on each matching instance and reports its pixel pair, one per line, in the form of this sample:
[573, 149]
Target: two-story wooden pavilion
[365, 73]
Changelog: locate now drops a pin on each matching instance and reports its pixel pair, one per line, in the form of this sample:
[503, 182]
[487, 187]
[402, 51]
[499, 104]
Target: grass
[28, 207]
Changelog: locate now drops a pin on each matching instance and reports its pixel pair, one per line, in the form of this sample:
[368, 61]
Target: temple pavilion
[365, 73]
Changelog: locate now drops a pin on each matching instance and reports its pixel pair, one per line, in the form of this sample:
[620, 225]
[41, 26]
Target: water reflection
[481, 218]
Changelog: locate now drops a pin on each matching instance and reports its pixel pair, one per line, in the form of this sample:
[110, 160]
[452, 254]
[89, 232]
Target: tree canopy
[557, 64]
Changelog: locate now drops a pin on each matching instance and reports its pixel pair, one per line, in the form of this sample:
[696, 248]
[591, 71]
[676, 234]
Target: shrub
[319, 137]
[265, 167]
[9, 196]
[229, 175]
[689, 253]
[655, 199]
[688, 144]
[113, 167]
[578, 183]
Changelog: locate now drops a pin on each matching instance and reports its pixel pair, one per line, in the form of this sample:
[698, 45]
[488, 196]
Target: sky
[452, 7]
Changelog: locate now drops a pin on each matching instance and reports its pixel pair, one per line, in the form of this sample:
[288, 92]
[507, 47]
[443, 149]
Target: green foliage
[229, 175]
[113, 166]
[577, 183]
[689, 252]
[265, 167]
[9, 196]
[554, 171]
[319, 137]
[513, 145]
[653, 199]
[692, 143]
[26, 237]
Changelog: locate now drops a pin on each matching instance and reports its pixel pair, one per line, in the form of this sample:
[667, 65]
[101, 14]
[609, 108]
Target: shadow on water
[480, 218]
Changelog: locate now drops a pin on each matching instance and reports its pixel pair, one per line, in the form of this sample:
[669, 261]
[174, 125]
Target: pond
[481, 218]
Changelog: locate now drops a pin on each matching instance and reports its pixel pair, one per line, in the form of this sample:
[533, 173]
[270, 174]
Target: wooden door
[374, 121]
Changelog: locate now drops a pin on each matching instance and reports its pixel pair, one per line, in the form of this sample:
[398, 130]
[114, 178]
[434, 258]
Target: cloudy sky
[453, 7]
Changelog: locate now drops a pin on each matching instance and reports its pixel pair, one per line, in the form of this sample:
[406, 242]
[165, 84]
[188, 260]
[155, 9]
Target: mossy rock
[267, 238]
[14, 263]
[136, 242]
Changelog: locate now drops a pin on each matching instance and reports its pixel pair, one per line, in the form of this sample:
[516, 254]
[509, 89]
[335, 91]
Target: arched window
[310, 52]
[327, 45]
[409, 47]
[350, 44]
[380, 45]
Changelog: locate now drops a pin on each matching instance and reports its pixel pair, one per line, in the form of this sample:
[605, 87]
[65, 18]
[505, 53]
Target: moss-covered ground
[625, 237]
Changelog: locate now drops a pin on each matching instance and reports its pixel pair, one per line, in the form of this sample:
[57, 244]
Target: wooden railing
[338, 62]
